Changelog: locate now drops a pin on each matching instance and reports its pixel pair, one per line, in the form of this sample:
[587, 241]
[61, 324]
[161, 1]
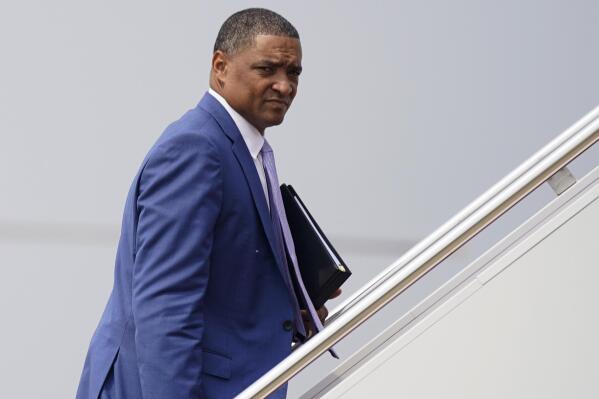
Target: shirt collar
[252, 137]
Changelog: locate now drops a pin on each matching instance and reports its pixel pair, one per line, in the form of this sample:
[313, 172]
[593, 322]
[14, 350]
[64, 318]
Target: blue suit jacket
[199, 299]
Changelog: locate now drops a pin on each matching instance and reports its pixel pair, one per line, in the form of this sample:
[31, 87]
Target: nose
[283, 86]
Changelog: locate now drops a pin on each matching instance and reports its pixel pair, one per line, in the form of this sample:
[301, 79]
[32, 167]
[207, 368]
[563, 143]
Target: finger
[336, 293]
[307, 319]
[309, 328]
[322, 313]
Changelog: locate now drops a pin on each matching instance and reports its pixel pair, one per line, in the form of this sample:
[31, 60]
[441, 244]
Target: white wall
[406, 111]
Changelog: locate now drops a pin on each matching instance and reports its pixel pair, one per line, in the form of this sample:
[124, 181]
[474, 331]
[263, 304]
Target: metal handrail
[462, 215]
[427, 254]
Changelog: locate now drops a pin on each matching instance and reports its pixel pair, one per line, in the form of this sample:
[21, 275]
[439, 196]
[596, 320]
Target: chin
[274, 121]
[277, 121]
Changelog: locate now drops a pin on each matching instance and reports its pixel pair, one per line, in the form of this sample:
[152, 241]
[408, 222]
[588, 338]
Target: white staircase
[522, 321]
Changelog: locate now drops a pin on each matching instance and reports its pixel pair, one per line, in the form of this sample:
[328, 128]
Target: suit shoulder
[195, 128]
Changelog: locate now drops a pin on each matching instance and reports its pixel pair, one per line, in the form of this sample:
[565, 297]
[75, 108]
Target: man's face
[260, 81]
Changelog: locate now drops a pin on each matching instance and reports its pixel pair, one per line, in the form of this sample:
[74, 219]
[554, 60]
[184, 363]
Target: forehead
[280, 48]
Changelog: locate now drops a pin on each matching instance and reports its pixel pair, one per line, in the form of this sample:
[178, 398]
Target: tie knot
[266, 147]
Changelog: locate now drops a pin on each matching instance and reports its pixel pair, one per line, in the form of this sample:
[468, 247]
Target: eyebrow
[277, 64]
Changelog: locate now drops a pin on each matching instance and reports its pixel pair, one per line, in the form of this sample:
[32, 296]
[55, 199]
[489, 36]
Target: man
[202, 303]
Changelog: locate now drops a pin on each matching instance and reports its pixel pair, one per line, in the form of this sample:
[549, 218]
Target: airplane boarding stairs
[522, 321]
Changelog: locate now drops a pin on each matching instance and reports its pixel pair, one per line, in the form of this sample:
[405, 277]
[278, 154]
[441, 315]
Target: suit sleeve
[179, 199]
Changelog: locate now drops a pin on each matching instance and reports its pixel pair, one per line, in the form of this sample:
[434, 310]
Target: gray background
[407, 110]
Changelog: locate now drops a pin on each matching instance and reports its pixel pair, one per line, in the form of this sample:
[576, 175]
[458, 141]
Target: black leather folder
[322, 269]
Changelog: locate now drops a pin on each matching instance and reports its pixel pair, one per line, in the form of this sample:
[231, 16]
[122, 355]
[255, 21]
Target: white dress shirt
[252, 137]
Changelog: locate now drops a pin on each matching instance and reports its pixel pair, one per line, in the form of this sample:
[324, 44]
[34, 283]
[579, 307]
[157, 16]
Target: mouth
[278, 101]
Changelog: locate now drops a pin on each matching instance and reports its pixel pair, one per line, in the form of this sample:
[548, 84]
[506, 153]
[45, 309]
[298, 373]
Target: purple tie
[299, 324]
[281, 226]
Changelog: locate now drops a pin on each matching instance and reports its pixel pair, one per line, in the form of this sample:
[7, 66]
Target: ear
[220, 65]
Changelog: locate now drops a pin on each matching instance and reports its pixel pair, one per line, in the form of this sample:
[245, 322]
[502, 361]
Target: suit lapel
[241, 152]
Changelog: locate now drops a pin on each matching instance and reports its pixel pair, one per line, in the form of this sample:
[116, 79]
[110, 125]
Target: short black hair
[240, 29]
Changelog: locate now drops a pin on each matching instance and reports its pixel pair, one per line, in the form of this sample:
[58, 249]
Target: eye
[294, 72]
[265, 68]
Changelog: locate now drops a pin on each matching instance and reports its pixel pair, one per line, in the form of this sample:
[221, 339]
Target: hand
[336, 293]
[323, 312]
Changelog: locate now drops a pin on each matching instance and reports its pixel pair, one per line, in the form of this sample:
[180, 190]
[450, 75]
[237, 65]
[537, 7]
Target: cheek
[260, 94]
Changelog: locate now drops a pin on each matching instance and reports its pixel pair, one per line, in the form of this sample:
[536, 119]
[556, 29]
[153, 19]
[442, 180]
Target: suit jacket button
[287, 325]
